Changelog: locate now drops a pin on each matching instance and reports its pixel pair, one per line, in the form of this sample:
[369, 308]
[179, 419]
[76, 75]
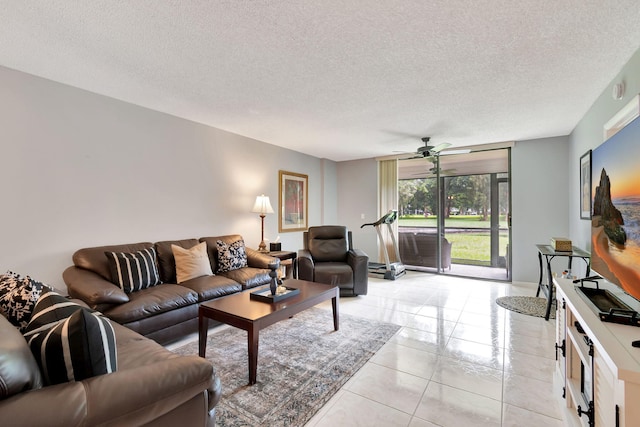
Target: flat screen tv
[615, 222]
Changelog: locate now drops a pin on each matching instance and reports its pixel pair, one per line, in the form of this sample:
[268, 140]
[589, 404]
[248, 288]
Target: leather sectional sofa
[151, 386]
[167, 311]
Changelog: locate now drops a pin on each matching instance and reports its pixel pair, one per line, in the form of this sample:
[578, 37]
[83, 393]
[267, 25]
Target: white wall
[80, 169]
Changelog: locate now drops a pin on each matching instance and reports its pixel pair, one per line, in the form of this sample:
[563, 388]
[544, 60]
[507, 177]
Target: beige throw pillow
[191, 263]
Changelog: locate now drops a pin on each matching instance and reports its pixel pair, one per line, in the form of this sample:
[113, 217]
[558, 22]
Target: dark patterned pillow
[18, 296]
[134, 271]
[70, 342]
[231, 256]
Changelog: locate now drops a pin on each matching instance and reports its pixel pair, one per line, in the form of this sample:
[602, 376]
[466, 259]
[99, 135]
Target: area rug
[302, 362]
[531, 306]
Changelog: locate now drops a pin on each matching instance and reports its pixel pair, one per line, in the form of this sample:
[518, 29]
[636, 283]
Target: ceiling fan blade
[440, 147]
[454, 151]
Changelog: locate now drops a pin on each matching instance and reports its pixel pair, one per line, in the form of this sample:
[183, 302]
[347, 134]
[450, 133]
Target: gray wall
[588, 134]
[540, 201]
[80, 169]
[358, 197]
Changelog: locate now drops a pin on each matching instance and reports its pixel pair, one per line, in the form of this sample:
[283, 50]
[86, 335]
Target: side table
[549, 253]
[285, 255]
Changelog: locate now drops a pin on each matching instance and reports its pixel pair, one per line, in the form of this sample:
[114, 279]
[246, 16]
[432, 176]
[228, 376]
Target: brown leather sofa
[152, 386]
[420, 249]
[329, 257]
[167, 311]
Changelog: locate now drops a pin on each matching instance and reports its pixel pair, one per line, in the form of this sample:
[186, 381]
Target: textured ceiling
[337, 79]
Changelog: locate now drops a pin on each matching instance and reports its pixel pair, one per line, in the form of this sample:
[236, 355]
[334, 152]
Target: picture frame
[293, 196]
[585, 185]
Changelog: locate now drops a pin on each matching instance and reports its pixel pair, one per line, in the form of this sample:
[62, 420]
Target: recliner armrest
[92, 288]
[357, 259]
[359, 262]
[305, 265]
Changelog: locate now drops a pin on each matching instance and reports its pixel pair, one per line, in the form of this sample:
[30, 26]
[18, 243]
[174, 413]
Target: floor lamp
[263, 207]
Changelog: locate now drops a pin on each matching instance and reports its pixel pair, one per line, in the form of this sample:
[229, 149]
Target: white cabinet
[596, 362]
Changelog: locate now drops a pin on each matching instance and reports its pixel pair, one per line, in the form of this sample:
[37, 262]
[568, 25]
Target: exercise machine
[389, 270]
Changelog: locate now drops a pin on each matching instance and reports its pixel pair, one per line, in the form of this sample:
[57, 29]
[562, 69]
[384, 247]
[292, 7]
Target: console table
[549, 253]
[598, 367]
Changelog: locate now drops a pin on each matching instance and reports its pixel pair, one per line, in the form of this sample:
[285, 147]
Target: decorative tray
[264, 294]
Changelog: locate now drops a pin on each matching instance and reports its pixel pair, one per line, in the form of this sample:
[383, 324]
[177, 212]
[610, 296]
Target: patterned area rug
[302, 362]
[531, 306]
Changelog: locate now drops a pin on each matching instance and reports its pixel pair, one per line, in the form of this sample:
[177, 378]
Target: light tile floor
[458, 360]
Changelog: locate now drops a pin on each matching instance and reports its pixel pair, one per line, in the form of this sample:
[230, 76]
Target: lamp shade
[263, 205]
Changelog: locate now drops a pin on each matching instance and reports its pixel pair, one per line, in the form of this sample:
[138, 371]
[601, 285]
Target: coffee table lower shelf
[242, 312]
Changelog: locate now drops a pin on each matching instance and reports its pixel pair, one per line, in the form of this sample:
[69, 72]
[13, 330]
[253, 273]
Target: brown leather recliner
[328, 257]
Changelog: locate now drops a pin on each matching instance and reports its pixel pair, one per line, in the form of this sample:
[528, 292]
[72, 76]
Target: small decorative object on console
[276, 291]
[274, 266]
[561, 244]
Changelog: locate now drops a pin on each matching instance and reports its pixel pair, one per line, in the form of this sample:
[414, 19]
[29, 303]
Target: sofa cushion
[328, 243]
[152, 301]
[333, 273]
[210, 287]
[18, 297]
[93, 259]
[249, 277]
[231, 256]
[133, 271]
[18, 368]
[191, 263]
[212, 247]
[166, 260]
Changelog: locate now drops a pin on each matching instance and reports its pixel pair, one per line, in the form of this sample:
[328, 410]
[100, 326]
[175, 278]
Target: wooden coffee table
[241, 311]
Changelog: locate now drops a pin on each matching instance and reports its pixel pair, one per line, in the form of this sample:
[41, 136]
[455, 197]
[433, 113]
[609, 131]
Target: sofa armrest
[92, 288]
[59, 405]
[305, 265]
[138, 396]
[258, 259]
[127, 397]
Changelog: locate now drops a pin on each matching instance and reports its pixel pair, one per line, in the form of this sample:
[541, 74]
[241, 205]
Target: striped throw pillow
[70, 342]
[134, 271]
[50, 309]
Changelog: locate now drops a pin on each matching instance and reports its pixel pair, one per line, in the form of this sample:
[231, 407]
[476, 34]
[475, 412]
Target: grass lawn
[470, 247]
[454, 221]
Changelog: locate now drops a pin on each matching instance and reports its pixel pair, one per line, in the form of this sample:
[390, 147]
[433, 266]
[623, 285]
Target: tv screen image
[615, 224]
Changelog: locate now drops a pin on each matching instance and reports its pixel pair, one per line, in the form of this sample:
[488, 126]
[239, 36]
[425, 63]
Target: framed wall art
[585, 185]
[293, 195]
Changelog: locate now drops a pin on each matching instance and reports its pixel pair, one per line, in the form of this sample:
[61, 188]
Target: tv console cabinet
[599, 370]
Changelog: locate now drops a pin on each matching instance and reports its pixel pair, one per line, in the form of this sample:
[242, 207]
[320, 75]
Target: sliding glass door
[454, 213]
